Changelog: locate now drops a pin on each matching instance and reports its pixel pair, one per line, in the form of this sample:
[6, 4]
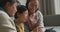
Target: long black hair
[27, 3]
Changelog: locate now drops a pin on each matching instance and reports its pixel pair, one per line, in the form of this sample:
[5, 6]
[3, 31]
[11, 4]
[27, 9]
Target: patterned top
[39, 17]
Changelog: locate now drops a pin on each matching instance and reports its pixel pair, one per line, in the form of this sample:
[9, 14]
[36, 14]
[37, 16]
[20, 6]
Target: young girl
[20, 19]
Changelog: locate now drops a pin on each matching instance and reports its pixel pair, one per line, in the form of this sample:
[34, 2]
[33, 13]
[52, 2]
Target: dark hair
[27, 3]
[3, 2]
[20, 9]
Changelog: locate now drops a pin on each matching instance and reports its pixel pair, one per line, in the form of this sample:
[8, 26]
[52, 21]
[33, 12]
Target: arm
[5, 24]
[40, 22]
[40, 27]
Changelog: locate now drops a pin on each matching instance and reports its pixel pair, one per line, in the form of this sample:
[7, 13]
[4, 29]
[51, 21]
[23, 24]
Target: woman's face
[33, 5]
[24, 16]
[11, 9]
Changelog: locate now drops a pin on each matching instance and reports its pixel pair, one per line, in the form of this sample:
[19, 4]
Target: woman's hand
[38, 29]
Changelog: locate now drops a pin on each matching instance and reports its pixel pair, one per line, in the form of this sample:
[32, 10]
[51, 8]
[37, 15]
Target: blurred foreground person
[7, 9]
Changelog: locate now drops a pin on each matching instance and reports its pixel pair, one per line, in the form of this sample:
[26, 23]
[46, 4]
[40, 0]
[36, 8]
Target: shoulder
[3, 15]
[6, 22]
[39, 13]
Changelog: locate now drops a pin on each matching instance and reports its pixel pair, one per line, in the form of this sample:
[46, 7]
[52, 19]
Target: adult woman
[35, 18]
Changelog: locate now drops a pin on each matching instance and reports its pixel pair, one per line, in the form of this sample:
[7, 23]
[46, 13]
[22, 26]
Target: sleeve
[5, 24]
[40, 21]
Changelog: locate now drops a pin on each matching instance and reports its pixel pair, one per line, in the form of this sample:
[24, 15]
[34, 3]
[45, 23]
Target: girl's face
[33, 6]
[23, 16]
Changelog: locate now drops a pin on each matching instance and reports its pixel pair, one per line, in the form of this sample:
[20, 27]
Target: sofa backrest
[52, 20]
